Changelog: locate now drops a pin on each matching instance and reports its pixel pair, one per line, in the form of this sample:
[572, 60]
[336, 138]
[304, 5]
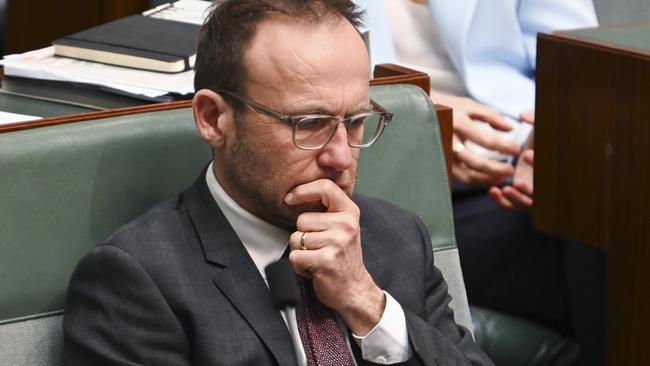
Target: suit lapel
[238, 281]
[237, 277]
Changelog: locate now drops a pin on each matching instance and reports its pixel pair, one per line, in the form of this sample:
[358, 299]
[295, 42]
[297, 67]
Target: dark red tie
[320, 334]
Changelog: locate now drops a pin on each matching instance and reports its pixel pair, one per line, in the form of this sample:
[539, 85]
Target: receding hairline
[333, 21]
[246, 28]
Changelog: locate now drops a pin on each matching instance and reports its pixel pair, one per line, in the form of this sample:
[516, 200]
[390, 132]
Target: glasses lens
[364, 130]
[313, 132]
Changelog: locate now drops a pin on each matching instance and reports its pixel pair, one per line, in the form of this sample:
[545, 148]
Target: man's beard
[266, 191]
[244, 162]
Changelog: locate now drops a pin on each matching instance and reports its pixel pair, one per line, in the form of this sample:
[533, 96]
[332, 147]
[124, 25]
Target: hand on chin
[326, 247]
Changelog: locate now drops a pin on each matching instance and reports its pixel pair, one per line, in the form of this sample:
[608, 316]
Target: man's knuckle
[300, 223]
[330, 256]
[350, 227]
[339, 237]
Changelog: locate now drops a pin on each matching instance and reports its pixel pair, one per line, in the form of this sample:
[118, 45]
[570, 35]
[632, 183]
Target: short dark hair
[232, 24]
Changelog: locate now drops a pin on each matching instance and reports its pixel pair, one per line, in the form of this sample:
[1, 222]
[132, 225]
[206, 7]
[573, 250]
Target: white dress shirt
[386, 343]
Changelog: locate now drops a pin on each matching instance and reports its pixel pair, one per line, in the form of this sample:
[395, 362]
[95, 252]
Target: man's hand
[469, 167]
[332, 255]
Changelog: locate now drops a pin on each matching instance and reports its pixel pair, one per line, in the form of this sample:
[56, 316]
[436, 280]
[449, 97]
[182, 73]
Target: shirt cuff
[388, 341]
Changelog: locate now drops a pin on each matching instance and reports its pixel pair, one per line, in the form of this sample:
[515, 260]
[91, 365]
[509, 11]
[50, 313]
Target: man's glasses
[313, 131]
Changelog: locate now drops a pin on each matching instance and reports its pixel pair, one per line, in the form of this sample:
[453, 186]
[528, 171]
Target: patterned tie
[320, 334]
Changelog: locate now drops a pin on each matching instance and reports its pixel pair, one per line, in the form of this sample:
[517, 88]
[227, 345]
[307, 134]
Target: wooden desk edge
[95, 115]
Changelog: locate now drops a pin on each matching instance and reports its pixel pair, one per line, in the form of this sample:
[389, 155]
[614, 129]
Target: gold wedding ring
[303, 239]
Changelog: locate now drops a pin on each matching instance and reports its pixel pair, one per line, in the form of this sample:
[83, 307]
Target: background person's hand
[520, 193]
[468, 166]
[528, 117]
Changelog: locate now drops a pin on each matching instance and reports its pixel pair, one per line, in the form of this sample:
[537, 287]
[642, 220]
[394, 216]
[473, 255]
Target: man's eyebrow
[366, 107]
[316, 108]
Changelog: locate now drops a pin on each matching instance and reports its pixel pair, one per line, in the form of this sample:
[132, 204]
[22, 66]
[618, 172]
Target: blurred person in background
[481, 56]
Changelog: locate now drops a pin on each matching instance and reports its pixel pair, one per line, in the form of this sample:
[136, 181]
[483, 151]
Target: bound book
[137, 41]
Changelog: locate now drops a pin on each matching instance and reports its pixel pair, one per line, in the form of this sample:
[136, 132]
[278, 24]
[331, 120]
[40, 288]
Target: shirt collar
[264, 242]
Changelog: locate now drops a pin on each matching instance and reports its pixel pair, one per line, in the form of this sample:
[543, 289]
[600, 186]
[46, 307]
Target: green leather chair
[64, 188]
[407, 167]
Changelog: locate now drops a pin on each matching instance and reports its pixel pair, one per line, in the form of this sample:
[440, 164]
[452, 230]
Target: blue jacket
[491, 43]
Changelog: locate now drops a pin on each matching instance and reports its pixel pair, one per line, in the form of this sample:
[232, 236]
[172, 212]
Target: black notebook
[136, 41]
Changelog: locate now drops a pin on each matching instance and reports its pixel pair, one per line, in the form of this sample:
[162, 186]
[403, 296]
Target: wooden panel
[592, 119]
[592, 165]
[396, 74]
[446, 121]
[568, 134]
[33, 24]
[115, 9]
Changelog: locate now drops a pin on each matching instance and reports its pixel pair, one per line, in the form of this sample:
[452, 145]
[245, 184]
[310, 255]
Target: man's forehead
[323, 67]
[293, 48]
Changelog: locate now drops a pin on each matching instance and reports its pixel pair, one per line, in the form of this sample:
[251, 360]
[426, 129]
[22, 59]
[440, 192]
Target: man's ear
[213, 117]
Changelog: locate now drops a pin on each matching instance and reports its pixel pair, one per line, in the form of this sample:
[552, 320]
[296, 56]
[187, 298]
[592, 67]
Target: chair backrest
[64, 188]
[407, 167]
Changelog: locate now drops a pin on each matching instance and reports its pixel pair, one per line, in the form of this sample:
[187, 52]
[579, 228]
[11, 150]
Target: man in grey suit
[283, 101]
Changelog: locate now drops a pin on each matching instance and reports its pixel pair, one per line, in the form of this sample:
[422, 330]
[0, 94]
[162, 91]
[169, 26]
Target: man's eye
[314, 123]
[357, 122]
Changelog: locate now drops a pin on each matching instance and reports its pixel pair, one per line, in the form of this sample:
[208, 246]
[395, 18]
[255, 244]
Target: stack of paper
[189, 11]
[42, 64]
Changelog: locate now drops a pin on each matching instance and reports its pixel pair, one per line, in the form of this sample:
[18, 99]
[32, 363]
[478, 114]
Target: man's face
[295, 68]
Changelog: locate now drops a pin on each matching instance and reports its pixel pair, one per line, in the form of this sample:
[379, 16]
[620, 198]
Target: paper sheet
[189, 11]
[7, 118]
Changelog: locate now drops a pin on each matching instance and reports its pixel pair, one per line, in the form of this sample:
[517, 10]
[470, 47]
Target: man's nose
[337, 154]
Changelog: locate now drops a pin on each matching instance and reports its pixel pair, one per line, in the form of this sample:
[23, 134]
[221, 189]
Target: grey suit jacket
[177, 287]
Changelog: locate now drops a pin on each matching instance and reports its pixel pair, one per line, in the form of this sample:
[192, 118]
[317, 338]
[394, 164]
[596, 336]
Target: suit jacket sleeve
[115, 315]
[435, 337]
